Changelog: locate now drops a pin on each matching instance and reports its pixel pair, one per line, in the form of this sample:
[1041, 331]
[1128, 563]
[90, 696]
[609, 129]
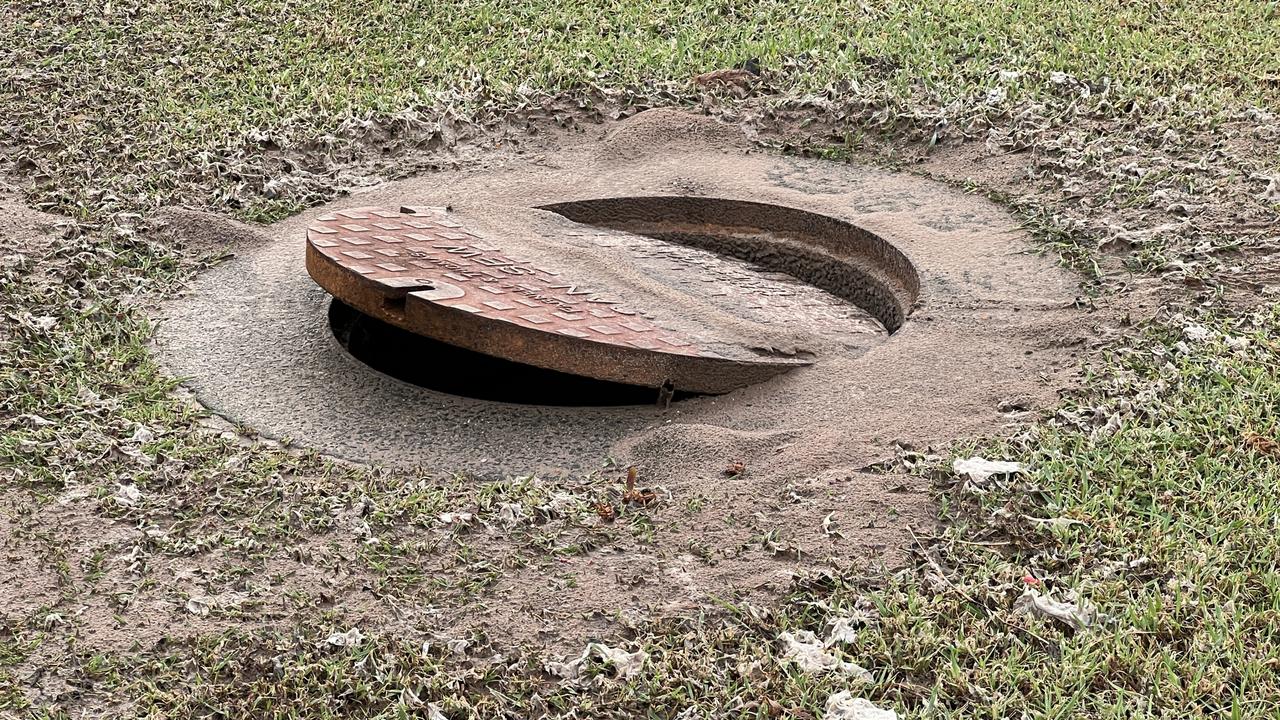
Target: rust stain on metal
[420, 269]
[441, 261]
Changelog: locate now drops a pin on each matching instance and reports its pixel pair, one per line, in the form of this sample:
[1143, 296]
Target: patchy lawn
[1138, 141]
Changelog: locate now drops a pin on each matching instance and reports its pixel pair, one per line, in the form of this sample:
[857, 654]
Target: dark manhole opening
[449, 369]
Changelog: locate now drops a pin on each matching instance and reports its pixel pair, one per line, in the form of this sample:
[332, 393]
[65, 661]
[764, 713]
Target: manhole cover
[690, 294]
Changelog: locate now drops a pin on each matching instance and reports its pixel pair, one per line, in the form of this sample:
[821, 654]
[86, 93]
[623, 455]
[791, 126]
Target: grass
[1169, 466]
[1168, 469]
[126, 105]
[1153, 495]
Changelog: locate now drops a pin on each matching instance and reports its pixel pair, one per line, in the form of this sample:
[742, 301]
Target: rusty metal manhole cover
[674, 299]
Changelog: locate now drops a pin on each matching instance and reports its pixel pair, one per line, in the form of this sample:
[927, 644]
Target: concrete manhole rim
[829, 253]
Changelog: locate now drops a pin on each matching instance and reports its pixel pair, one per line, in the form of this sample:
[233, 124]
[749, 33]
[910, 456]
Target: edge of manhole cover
[421, 269]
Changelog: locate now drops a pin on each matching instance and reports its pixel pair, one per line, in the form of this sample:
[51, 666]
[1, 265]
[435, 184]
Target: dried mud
[996, 334]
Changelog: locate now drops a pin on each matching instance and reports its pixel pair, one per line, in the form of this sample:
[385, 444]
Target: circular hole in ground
[452, 370]
[834, 255]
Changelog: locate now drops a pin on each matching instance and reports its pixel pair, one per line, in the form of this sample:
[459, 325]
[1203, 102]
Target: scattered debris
[977, 471]
[350, 638]
[559, 504]
[511, 515]
[198, 606]
[626, 665]
[632, 495]
[843, 631]
[202, 605]
[460, 519]
[743, 75]
[44, 323]
[1196, 332]
[844, 706]
[1272, 193]
[142, 434]
[806, 651]
[34, 420]
[128, 495]
[1077, 616]
[1054, 523]
[829, 526]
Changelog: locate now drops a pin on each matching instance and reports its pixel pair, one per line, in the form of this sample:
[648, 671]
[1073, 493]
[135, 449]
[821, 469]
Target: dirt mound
[994, 327]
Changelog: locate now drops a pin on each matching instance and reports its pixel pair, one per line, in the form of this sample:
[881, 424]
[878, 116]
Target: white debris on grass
[559, 504]
[142, 434]
[1272, 193]
[1053, 523]
[511, 515]
[75, 492]
[43, 323]
[1238, 344]
[34, 420]
[127, 495]
[625, 664]
[460, 519]
[843, 631]
[829, 526]
[1196, 332]
[199, 606]
[202, 605]
[1075, 615]
[977, 471]
[809, 653]
[350, 638]
[844, 706]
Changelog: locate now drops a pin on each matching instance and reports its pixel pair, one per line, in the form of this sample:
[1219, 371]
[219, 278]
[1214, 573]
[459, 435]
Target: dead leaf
[1261, 443]
[633, 495]
[731, 76]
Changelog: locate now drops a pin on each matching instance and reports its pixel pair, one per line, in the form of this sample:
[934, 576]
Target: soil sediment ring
[656, 204]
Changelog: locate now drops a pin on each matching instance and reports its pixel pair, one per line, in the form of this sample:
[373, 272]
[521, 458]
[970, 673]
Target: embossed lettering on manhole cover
[547, 292]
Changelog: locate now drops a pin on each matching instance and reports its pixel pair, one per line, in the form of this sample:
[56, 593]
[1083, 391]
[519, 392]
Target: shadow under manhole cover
[679, 294]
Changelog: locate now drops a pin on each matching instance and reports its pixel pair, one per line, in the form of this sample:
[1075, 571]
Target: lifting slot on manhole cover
[700, 295]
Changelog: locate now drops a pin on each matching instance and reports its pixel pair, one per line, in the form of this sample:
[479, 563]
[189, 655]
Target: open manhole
[524, 315]
[604, 301]
[436, 365]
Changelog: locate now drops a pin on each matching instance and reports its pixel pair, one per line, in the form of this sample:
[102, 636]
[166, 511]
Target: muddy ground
[999, 332]
[164, 547]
